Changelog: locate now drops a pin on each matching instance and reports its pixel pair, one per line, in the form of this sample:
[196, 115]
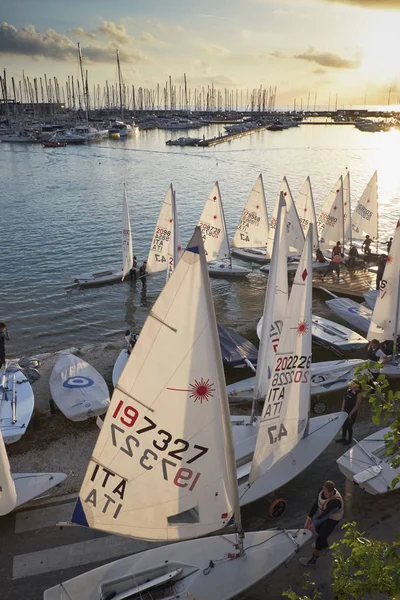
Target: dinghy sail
[295, 235]
[347, 209]
[127, 250]
[365, 214]
[285, 413]
[252, 231]
[330, 222]
[385, 321]
[306, 210]
[166, 437]
[164, 230]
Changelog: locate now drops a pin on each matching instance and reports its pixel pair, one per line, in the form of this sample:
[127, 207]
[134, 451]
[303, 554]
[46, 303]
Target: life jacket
[322, 502]
[371, 354]
[337, 258]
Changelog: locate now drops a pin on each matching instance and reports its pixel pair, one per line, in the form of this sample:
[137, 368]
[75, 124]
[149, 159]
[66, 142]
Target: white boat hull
[33, 485]
[326, 377]
[98, 278]
[225, 269]
[322, 429]
[370, 298]
[119, 366]
[369, 468]
[251, 254]
[12, 432]
[293, 264]
[197, 578]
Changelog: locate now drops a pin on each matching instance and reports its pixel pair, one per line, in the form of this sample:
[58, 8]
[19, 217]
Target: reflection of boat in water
[121, 129]
[183, 141]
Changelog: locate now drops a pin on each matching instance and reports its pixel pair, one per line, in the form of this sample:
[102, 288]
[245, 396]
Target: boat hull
[33, 485]
[98, 278]
[292, 266]
[370, 469]
[198, 577]
[25, 401]
[224, 269]
[251, 254]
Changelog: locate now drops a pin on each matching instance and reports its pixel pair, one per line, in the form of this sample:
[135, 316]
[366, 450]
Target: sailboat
[163, 467]
[250, 239]
[364, 220]
[286, 439]
[110, 276]
[165, 248]
[16, 403]
[366, 462]
[306, 211]
[330, 221]
[18, 488]
[294, 231]
[215, 238]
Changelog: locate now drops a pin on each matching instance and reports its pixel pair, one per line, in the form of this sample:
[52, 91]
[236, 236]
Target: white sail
[365, 215]
[306, 210]
[213, 227]
[331, 218]
[347, 208]
[8, 493]
[163, 466]
[385, 324]
[157, 260]
[174, 246]
[295, 235]
[252, 231]
[127, 251]
[285, 412]
[275, 304]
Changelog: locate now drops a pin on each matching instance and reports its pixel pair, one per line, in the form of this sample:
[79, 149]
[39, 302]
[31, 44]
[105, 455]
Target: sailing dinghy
[286, 439]
[165, 248]
[108, 275]
[250, 239]
[364, 220]
[79, 391]
[16, 403]
[19, 488]
[163, 467]
[215, 238]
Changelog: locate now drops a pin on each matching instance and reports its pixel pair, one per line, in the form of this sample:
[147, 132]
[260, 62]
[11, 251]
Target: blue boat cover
[235, 348]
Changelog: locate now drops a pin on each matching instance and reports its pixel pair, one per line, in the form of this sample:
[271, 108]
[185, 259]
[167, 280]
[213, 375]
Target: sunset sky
[345, 47]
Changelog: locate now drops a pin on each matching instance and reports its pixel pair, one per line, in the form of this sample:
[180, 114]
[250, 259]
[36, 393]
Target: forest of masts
[75, 94]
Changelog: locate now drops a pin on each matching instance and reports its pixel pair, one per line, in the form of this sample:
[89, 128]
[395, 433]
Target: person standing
[381, 268]
[366, 246]
[330, 506]
[376, 354]
[353, 255]
[143, 273]
[3, 337]
[337, 250]
[334, 265]
[351, 402]
[389, 244]
[134, 269]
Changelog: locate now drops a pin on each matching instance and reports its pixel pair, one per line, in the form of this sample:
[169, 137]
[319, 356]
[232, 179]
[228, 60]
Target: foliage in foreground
[362, 568]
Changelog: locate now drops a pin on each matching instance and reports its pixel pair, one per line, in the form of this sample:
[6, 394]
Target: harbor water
[61, 216]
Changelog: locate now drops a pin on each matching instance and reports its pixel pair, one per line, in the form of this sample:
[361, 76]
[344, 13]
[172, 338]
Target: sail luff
[295, 235]
[157, 259]
[127, 249]
[330, 218]
[213, 227]
[347, 209]
[306, 210]
[174, 245]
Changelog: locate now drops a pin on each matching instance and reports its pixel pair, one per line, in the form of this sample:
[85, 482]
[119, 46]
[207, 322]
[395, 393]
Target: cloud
[56, 46]
[215, 50]
[328, 59]
[374, 4]
[79, 32]
[114, 32]
[320, 72]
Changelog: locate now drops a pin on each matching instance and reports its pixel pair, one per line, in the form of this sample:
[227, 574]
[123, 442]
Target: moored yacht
[90, 134]
[120, 129]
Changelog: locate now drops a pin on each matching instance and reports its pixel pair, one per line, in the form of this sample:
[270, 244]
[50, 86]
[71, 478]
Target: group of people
[142, 271]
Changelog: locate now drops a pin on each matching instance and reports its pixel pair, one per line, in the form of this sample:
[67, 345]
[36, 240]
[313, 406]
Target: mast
[223, 219]
[83, 82]
[120, 86]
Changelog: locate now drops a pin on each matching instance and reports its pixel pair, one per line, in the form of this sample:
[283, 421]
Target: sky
[311, 50]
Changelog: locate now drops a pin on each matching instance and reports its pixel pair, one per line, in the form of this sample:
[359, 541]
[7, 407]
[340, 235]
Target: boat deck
[351, 283]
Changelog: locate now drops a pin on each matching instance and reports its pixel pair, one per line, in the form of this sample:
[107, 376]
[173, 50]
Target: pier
[351, 283]
[229, 137]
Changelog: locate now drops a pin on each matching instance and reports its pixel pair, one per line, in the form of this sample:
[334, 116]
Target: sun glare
[380, 45]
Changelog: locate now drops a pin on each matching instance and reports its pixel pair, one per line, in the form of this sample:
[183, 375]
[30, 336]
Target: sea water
[61, 216]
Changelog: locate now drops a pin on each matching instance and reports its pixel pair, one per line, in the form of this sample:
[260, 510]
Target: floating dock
[351, 283]
[230, 136]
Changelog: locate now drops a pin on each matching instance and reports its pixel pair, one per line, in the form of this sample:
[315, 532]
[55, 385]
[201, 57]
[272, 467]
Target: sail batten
[162, 465]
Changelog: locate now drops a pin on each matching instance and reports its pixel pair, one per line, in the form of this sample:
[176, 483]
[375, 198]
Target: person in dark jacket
[133, 271]
[3, 337]
[330, 507]
[143, 273]
[377, 355]
[351, 402]
[381, 268]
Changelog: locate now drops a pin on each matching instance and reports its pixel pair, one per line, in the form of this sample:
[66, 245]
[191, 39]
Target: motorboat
[121, 129]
